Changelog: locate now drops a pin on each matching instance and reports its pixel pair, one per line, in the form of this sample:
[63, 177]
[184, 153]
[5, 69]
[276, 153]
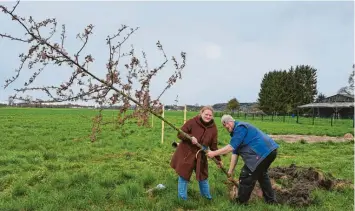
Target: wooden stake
[162, 127]
[113, 119]
[185, 114]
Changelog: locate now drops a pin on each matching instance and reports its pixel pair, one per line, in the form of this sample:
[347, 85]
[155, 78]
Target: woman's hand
[194, 140]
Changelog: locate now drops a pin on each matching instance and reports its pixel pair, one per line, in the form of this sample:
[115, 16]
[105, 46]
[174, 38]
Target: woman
[188, 157]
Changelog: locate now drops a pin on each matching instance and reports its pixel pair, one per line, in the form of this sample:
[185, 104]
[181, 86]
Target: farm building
[339, 105]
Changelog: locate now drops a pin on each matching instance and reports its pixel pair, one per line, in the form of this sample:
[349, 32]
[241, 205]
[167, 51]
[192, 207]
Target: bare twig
[44, 52]
[111, 89]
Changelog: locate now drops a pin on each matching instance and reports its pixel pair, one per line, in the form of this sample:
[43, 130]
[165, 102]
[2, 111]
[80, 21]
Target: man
[258, 151]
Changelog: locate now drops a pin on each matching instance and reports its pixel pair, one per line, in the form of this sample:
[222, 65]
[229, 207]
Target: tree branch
[44, 52]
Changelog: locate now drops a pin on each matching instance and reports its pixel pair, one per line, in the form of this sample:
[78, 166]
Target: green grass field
[45, 167]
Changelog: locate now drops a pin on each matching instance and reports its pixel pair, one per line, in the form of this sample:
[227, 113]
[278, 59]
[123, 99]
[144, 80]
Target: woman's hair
[206, 108]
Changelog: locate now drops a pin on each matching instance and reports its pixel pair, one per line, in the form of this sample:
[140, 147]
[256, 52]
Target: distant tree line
[69, 105]
[281, 91]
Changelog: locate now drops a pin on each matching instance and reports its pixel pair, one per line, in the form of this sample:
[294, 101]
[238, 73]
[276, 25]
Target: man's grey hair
[226, 118]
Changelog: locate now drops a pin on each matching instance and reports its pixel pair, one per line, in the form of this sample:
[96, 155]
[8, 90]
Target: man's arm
[221, 151]
[236, 140]
[232, 165]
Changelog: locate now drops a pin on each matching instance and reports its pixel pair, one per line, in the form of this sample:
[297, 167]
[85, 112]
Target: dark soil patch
[293, 185]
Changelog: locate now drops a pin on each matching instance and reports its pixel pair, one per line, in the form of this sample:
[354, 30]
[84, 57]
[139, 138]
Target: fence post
[185, 114]
[162, 127]
[313, 117]
[331, 120]
[113, 119]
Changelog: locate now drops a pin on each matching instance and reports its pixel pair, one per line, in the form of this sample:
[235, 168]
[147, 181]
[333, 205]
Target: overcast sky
[229, 45]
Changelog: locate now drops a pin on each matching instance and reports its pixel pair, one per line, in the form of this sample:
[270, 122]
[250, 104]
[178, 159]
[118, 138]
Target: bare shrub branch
[83, 84]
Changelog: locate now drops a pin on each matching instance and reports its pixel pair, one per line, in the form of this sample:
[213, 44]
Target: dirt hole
[293, 185]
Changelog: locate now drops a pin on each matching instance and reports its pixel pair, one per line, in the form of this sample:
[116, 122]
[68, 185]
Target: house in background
[337, 106]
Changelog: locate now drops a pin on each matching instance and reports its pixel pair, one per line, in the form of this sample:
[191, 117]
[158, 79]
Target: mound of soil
[291, 138]
[293, 185]
[349, 136]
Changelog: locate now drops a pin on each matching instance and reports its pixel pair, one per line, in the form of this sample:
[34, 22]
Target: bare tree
[10, 101]
[113, 88]
[320, 98]
[350, 88]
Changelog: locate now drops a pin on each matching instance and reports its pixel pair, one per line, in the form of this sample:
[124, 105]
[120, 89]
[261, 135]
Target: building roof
[328, 105]
[347, 95]
[342, 94]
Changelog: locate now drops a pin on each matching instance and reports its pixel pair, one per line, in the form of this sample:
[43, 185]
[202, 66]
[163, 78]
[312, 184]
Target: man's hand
[211, 154]
[229, 174]
[194, 140]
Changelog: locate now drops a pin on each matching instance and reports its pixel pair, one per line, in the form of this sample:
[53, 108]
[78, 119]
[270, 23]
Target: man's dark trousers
[247, 180]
